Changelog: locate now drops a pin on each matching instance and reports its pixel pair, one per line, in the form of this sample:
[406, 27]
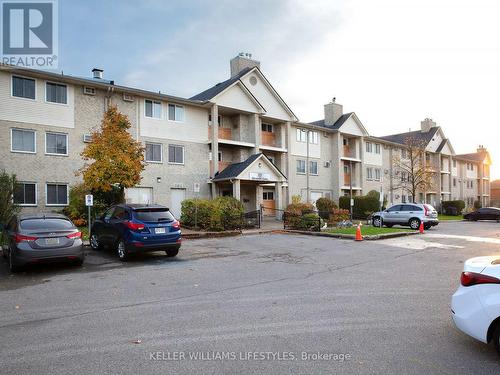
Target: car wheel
[122, 251]
[377, 221]
[172, 253]
[12, 267]
[94, 242]
[496, 338]
[414, 224]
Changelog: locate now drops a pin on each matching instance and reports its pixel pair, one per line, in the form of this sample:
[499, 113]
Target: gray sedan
[32, 239]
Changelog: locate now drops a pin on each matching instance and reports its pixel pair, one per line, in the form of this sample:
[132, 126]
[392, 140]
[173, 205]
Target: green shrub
[448, 206]
[7, 207]
[325, 207]
[76, 209]
[300, 208]
[477, 205]
[310, 221]
[218, 214]
[364, 206]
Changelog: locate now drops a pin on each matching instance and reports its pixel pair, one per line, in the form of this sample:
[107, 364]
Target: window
[268, 195]
[175, 112]
[23, 87]
[377, 148]
[175, 154]
[369, 173]
[301, 135]
[403, 177]
[219, 156]
[23, 140]
[313, 167]
[267, 128]
[369, 147]
[153, 109]
[377, 174]
[89, 90]
[56, 93]
[120, 213]
[301, 166]
[395, 208]
[346, 169]
[454, 182]
[154, 152]
[25, 194]
[57, 194]
[219, 119]
[154, 215]
[403, 153]
[313, 137]
[405, 207]
[56, 143]
[345, 142]
[454, 163]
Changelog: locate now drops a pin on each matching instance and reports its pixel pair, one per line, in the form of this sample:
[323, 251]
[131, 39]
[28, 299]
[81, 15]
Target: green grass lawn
[367, 230]
[449, 217]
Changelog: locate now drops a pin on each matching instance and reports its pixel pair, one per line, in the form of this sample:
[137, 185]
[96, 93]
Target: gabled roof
[337, 124]
[219, 87]
[417, 134]
[235, 169]
[475, 156]
[441, 146]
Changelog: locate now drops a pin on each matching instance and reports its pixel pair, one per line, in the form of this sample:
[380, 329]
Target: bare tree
[412, 173]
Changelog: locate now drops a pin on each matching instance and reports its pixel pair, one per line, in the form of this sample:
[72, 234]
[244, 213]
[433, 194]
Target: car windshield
[153, 214]
[46, 224]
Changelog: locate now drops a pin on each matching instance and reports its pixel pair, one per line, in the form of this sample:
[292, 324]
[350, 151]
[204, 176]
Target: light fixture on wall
[158, 179]
[260, 165]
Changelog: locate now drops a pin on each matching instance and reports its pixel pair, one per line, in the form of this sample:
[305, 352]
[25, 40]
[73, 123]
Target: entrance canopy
[257, 168]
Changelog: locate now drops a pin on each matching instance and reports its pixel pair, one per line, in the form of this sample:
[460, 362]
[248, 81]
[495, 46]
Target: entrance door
[139, 195]
[176, 198]
[268, 203]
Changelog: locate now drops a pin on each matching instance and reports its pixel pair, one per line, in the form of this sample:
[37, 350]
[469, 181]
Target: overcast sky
[393, 62]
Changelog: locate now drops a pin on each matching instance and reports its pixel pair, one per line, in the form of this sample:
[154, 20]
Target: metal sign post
[196, 188]
[89, 202]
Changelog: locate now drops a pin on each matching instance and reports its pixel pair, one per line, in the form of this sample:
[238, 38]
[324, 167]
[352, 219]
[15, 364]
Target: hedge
[217, 214]
[325, 207]
[364, 206]
[449, 206]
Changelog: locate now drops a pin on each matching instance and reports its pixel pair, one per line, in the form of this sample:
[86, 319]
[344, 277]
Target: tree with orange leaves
[115, 159]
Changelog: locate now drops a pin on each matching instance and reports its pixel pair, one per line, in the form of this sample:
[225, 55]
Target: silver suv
[407, 214]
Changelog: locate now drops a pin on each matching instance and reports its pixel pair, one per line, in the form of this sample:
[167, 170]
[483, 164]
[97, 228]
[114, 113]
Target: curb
[351, 236]
[192, 236]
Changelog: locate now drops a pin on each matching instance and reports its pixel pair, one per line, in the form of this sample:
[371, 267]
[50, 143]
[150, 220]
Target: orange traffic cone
[421, 228]
[358, 237]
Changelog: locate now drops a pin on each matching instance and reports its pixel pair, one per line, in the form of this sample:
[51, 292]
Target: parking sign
[89, 200]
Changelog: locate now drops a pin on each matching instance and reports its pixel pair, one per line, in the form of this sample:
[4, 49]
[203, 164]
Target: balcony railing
[223, 133]
[268, 139]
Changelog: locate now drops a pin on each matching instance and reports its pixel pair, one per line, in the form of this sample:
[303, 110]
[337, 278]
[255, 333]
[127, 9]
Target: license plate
[52, 241]
[159, 230]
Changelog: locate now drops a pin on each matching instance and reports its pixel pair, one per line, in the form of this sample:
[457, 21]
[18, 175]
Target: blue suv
[133, 228]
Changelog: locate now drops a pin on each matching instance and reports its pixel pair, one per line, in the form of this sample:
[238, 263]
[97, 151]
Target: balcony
[268, 139]
[223, 133]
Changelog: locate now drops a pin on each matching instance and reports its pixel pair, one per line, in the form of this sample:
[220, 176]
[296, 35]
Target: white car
[475, 306]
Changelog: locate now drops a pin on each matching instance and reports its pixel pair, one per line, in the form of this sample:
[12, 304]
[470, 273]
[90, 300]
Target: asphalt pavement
[257, 304]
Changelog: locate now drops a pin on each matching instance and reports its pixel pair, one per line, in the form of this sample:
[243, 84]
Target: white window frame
[310, 169]
[297, 166]
[378, 174]
[404, 153]
[183, 154]
[369, 173]
[161, 152]
[299, 134]
[377, 148]
[56, 204]
[267, 126]
[369, 147]
[12, 87]
[56, 154]
[153, 109]
[175, 107]
[60, 84]
[36, 195]
[11, 139]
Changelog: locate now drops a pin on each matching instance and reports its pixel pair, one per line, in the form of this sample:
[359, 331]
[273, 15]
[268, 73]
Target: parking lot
[351, 307]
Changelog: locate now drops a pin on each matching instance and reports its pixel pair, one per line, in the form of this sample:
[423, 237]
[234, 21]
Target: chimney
[333, 111]
[242, 61]
[97, 73]
[427, 124]
[481, 149]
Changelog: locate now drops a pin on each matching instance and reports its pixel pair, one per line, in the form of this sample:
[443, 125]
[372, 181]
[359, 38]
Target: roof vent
[97, 73]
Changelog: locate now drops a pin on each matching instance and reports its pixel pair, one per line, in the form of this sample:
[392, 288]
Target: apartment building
[236, 138]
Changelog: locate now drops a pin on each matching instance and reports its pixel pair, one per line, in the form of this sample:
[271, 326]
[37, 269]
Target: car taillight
[21, 238]
[74, 235]
[426, 211]
[472, 278]
[136, 227]
[176, 225]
